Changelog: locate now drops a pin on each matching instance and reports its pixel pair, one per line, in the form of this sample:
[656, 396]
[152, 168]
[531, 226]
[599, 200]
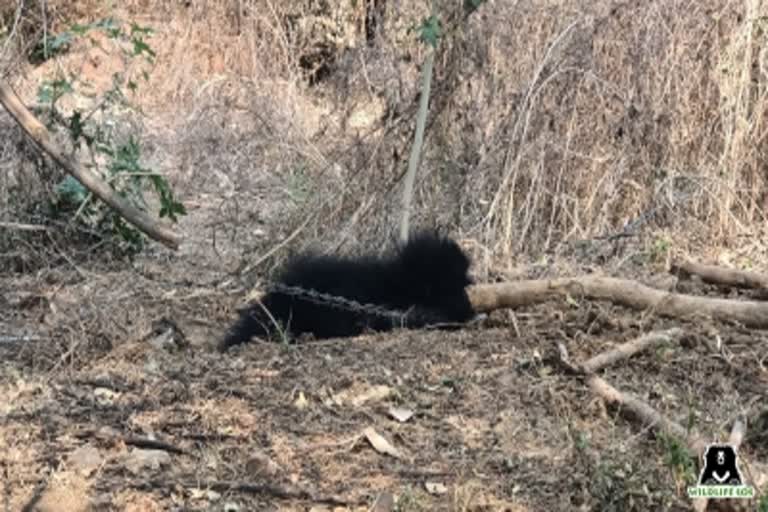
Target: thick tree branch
[488, 297]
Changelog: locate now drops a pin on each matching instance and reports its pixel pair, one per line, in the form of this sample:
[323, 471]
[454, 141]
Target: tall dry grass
[550, 121]
[619, 109]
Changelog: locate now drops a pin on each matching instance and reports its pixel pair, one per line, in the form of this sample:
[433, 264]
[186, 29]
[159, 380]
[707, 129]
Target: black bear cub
[425, 280]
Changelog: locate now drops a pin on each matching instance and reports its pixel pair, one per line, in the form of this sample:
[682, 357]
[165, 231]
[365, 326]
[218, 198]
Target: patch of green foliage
[660, 249]
[429, 31]
[409, 501]
[678, 458]
[116, 158]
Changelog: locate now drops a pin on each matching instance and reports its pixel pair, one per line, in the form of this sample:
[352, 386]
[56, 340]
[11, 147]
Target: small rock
[301, 401]
[401, 414]
[261, 465]
[138, 461]
[435, 488]
[85, 459]
[105, 396]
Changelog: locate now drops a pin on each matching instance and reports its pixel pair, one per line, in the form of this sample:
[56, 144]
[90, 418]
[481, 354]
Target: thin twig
[18, 226]
[286, 492]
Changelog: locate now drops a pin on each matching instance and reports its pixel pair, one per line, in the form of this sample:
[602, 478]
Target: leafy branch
[116, 160]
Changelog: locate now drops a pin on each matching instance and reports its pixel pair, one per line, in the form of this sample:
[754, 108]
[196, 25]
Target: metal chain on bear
[327, 299]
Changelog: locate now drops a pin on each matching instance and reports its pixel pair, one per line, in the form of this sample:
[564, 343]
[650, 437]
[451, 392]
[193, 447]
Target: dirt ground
[109, 411]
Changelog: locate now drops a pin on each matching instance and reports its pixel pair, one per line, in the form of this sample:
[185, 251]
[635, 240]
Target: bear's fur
[425, 280]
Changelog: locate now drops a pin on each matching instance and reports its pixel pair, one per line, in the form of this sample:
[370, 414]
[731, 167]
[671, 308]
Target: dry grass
[623, 109]
[551, 122]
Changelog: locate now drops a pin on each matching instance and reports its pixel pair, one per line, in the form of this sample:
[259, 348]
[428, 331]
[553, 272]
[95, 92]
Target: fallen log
[721, 276]
[489, 297]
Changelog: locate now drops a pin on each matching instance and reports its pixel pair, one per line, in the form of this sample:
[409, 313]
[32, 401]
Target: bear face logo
[720, 466]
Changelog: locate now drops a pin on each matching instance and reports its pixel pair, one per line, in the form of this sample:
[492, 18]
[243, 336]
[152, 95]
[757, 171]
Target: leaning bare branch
[40, 135]
[626, 403]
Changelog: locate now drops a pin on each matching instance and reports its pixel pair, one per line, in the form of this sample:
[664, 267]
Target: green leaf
[60, 42]
[62, 86]
[140, 47]
[429, 31]
[44, 94]
[126, 158]
[80, 29]
[106, 24]
[50, 47]
[105, 150]
[51, 90]
[71, 191]
[76, 126]
[138, 29]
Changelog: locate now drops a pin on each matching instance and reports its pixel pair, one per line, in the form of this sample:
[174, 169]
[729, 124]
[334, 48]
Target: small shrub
[96, 137]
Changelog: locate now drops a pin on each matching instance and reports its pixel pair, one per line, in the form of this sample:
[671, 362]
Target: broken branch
[630, 348]
[644, 412]
[22, 227]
